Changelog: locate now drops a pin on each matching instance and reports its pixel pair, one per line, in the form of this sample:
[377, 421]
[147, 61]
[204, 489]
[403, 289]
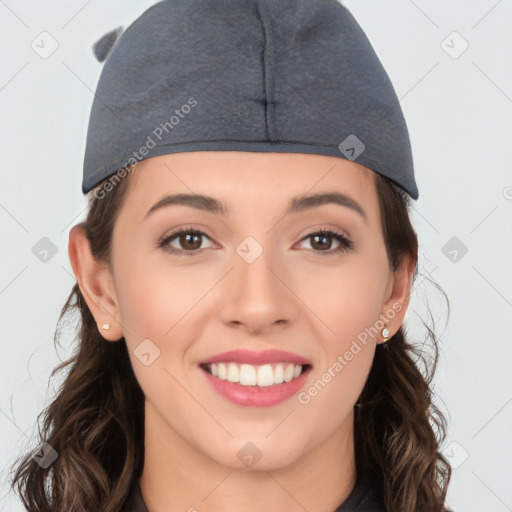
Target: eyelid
[325, 227]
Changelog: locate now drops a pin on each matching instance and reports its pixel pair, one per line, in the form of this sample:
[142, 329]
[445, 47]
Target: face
[255, 277]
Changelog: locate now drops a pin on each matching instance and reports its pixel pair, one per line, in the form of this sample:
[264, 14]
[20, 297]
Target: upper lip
[256, 358]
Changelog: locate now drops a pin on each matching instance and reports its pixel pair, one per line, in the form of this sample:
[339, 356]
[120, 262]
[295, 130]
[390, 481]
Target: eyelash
[345, 244]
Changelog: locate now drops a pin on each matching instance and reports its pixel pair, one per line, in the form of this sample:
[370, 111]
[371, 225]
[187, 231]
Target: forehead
[236, 166]
[238, 178]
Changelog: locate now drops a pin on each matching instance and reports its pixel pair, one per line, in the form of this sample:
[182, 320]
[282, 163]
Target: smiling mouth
[255, 375]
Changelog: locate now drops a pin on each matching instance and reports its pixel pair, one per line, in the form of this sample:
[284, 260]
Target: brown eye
[319, 241]
[188, 242]
[322, 242]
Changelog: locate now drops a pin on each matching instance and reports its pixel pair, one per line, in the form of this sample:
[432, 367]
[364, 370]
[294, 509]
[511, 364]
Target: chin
[256, 455]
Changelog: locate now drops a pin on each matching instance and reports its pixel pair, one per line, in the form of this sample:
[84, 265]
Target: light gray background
[459, 113]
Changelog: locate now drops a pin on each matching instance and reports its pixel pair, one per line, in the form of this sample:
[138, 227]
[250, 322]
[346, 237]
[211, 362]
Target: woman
[230, 357]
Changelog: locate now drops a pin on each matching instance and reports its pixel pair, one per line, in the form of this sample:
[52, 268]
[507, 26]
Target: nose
[258, 294]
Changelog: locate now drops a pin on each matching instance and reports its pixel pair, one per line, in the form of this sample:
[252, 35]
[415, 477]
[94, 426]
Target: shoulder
[362, 499]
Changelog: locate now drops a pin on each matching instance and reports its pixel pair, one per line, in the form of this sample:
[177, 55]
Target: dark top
[361, 499]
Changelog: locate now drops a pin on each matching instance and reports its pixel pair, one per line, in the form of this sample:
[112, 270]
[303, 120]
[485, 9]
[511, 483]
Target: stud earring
[385, 334]
[106, 326]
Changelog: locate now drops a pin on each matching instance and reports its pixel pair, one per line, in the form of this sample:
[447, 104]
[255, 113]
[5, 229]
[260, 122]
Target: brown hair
[398, 429]
[96, 421]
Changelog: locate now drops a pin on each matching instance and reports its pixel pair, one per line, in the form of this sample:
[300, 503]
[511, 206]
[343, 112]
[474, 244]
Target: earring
[385, 334]
[106, 326]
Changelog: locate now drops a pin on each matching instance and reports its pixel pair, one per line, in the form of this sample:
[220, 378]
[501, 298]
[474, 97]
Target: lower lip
[254, 396]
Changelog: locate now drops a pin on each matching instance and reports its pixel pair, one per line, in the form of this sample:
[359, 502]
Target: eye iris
[316, 237]
[188, 237]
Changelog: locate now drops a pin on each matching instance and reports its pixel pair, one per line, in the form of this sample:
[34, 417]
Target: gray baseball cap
[286, 76]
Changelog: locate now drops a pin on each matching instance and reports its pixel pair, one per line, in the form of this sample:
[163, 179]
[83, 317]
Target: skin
[292, 297]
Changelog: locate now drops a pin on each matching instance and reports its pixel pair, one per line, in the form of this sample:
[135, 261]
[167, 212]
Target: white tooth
[288, 373]
[278, 374]
[233, 372]
[265, 375]
[247, 375]
[223, 372]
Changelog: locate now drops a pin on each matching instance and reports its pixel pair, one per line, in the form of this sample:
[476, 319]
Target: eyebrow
[297, 204]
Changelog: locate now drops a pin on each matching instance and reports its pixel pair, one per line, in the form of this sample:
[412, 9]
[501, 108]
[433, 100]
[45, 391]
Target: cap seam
[266, 66]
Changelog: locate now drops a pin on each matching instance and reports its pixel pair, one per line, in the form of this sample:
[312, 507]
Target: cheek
[345, 302]
[152, 298]
[347, 298]
[164, 305]
[155, 305]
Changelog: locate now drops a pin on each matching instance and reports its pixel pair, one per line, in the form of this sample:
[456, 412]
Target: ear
[398, 294]
[96, 284]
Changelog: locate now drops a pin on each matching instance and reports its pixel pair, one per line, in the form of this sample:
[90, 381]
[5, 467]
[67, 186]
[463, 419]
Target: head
[315, 296]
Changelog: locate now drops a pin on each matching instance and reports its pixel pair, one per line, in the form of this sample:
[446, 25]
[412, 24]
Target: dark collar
[361, 499]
